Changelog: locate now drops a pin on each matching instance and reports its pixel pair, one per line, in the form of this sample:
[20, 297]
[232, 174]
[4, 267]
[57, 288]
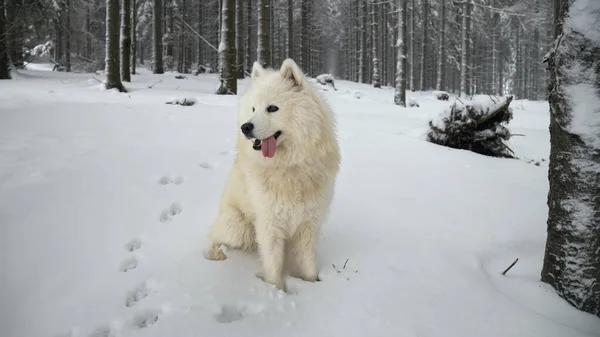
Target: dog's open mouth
[267, 146]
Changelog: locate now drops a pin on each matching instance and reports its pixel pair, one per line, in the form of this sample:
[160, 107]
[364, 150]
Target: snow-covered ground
[106, 200]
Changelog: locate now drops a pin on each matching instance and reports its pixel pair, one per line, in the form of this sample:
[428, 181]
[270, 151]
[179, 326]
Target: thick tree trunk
[400, 94]
[376, 78]
[239, 38]
[88, 34]
[4, 60]
[263, 48]
[112, 46]
[227, 52]
[133, 35]
[125, 41]
[572, 256]
[157, 35]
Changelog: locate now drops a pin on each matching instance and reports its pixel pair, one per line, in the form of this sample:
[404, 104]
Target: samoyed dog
[282, 181]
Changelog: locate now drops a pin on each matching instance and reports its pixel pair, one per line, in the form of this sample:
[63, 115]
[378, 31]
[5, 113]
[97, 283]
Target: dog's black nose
[247, 128]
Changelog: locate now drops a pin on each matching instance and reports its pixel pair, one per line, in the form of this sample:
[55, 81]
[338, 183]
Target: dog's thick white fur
[277, 205]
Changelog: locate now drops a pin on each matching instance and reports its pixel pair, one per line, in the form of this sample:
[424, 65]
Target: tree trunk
[239, 38]
[290, 29]
[362, 65]
[263, 48]
[441, 47]
[376, 79]
[157, 35]
[4, 60]
[68, 36]
[411, 45]
[113, 79]
[400, 94]
[248, 57]
[125, 41]
[572, 255]
[464, 58]
[424, 43]
[227, 52]
[133, 35]
[88, 33]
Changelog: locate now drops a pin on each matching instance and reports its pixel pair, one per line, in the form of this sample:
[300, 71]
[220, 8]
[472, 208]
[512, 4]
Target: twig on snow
[509, 267]
[153, 84]
[344, 267]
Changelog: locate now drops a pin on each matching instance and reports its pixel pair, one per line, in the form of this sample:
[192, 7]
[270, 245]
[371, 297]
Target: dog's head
[282, 118]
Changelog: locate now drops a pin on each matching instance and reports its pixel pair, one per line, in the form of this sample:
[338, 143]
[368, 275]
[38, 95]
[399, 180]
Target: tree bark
[411, 45]
[400, 94]
[239, 38]
[68, 36]
[572, 255]
[290, 29]
[113, 79]
[133, 35]
[126, 41]
[248, 57]
[227, 52]
[157, 29]
[441, 47]
[376, 78]
[4, 60]
[362, 61]
[263, 48]
[424, 42]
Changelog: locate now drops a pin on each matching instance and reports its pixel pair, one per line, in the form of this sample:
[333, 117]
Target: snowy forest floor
[106, 201]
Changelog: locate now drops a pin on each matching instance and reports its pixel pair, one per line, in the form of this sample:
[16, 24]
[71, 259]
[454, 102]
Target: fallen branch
[509, 267]
[153, 84]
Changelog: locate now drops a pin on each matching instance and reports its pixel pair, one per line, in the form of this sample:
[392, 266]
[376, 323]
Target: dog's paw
[215, 253]
[306, 277]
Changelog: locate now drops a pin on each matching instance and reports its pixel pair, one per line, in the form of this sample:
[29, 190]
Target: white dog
[282, 181]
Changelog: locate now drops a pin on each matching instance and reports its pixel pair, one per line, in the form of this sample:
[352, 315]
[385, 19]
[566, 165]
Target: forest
[468, 47]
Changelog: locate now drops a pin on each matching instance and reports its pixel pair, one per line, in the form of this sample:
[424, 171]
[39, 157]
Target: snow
[106, 200]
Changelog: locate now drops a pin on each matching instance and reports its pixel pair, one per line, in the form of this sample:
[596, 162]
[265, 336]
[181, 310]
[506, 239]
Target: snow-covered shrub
[326, 79]
[478, 127]
[185, 101]
[441, 95]
[413, 103]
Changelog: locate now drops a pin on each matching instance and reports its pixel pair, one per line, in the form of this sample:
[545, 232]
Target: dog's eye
[252, 109]
[272, 108]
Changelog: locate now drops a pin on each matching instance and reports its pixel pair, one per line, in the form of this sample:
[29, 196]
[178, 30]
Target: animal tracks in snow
[128, 264]
[140, 292]
[133, 245]
[232, 313]
[165, 180]
[168, 213]
[146, 318]
[207, 165]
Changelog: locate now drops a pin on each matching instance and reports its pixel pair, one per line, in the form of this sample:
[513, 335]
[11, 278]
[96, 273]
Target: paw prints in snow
[133, 245]
[146, 318]
[140, 292]
[128, 264]
[178, 180]
[232, 313]
[168, 213]
[207, 165]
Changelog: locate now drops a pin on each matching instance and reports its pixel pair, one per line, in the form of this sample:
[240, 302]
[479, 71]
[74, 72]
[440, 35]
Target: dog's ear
[257, 70]
[291, 71]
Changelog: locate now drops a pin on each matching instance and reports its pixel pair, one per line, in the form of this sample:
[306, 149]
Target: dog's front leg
[271, 245]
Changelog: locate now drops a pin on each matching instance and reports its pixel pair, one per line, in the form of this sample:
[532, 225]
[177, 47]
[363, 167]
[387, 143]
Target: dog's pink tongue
[268, 147]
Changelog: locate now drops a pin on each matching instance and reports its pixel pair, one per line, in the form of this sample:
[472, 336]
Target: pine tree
[4, 60]
[126, 41]
[376, 78]
[572, 255]
[263, 48]
[400, 94]
[157, 36]
[113, 79]
[227, 52]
